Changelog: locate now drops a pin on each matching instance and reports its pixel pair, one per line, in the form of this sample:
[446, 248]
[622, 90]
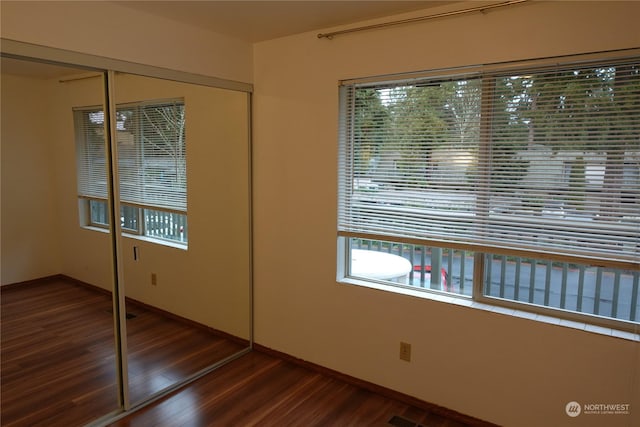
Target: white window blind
[90, 151]
[543, 161]
[152, 154]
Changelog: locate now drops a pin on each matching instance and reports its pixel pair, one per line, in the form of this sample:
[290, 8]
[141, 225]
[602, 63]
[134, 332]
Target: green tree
[418, 126]
[371, 121]
[569, 111]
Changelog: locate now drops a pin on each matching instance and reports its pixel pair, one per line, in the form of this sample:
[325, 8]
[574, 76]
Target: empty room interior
[320, 213]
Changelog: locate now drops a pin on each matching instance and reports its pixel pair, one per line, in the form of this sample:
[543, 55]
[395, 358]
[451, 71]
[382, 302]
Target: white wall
[507, 370]
[29, 215]
[107, 29]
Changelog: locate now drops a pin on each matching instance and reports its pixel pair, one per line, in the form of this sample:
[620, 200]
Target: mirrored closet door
[126, 201]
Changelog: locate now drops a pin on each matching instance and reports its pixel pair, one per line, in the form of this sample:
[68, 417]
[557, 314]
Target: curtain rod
[420, 18]
[79, 77]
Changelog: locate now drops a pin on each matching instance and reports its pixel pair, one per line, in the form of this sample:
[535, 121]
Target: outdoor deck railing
[156, 223]
[579, 288]
[165, 225]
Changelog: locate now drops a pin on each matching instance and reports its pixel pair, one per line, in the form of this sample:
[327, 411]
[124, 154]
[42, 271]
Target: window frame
[139, 232]
[478, 298]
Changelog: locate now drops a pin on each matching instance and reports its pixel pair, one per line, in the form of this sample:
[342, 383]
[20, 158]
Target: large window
[151, 168]
[527, 180]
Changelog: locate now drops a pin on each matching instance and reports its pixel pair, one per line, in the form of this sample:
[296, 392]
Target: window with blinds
[539, 162]
[151, 167]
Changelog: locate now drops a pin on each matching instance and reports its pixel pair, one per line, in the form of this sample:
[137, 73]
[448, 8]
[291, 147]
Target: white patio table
[380, 265]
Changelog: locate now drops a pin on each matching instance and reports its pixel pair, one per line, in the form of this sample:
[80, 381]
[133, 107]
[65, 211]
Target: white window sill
[468, 302]
[176, 245]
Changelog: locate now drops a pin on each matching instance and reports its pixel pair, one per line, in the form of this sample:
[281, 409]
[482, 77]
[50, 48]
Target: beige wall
[29, 215]
[85, 255]
[511, 371]
[107, 29]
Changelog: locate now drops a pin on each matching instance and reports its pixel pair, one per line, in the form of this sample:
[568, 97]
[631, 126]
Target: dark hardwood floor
[58, 359]
[263, 390]
[58, 370]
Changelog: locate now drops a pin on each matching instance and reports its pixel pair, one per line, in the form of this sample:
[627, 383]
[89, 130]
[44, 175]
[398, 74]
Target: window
[516, 187]
[151, 168]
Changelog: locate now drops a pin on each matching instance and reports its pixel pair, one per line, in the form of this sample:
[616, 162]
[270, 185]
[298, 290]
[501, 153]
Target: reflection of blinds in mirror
[90, 152]
[151, 154]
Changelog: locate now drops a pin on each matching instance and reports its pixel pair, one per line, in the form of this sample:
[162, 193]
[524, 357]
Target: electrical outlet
[405, 351]
[154, 279]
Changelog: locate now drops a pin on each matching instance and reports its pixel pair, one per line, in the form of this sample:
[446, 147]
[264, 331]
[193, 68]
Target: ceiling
[255, 21]
[251, 21]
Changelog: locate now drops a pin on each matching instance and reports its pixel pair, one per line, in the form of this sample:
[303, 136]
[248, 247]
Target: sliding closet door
[156, 266]
[58, 345]
[183, 175]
